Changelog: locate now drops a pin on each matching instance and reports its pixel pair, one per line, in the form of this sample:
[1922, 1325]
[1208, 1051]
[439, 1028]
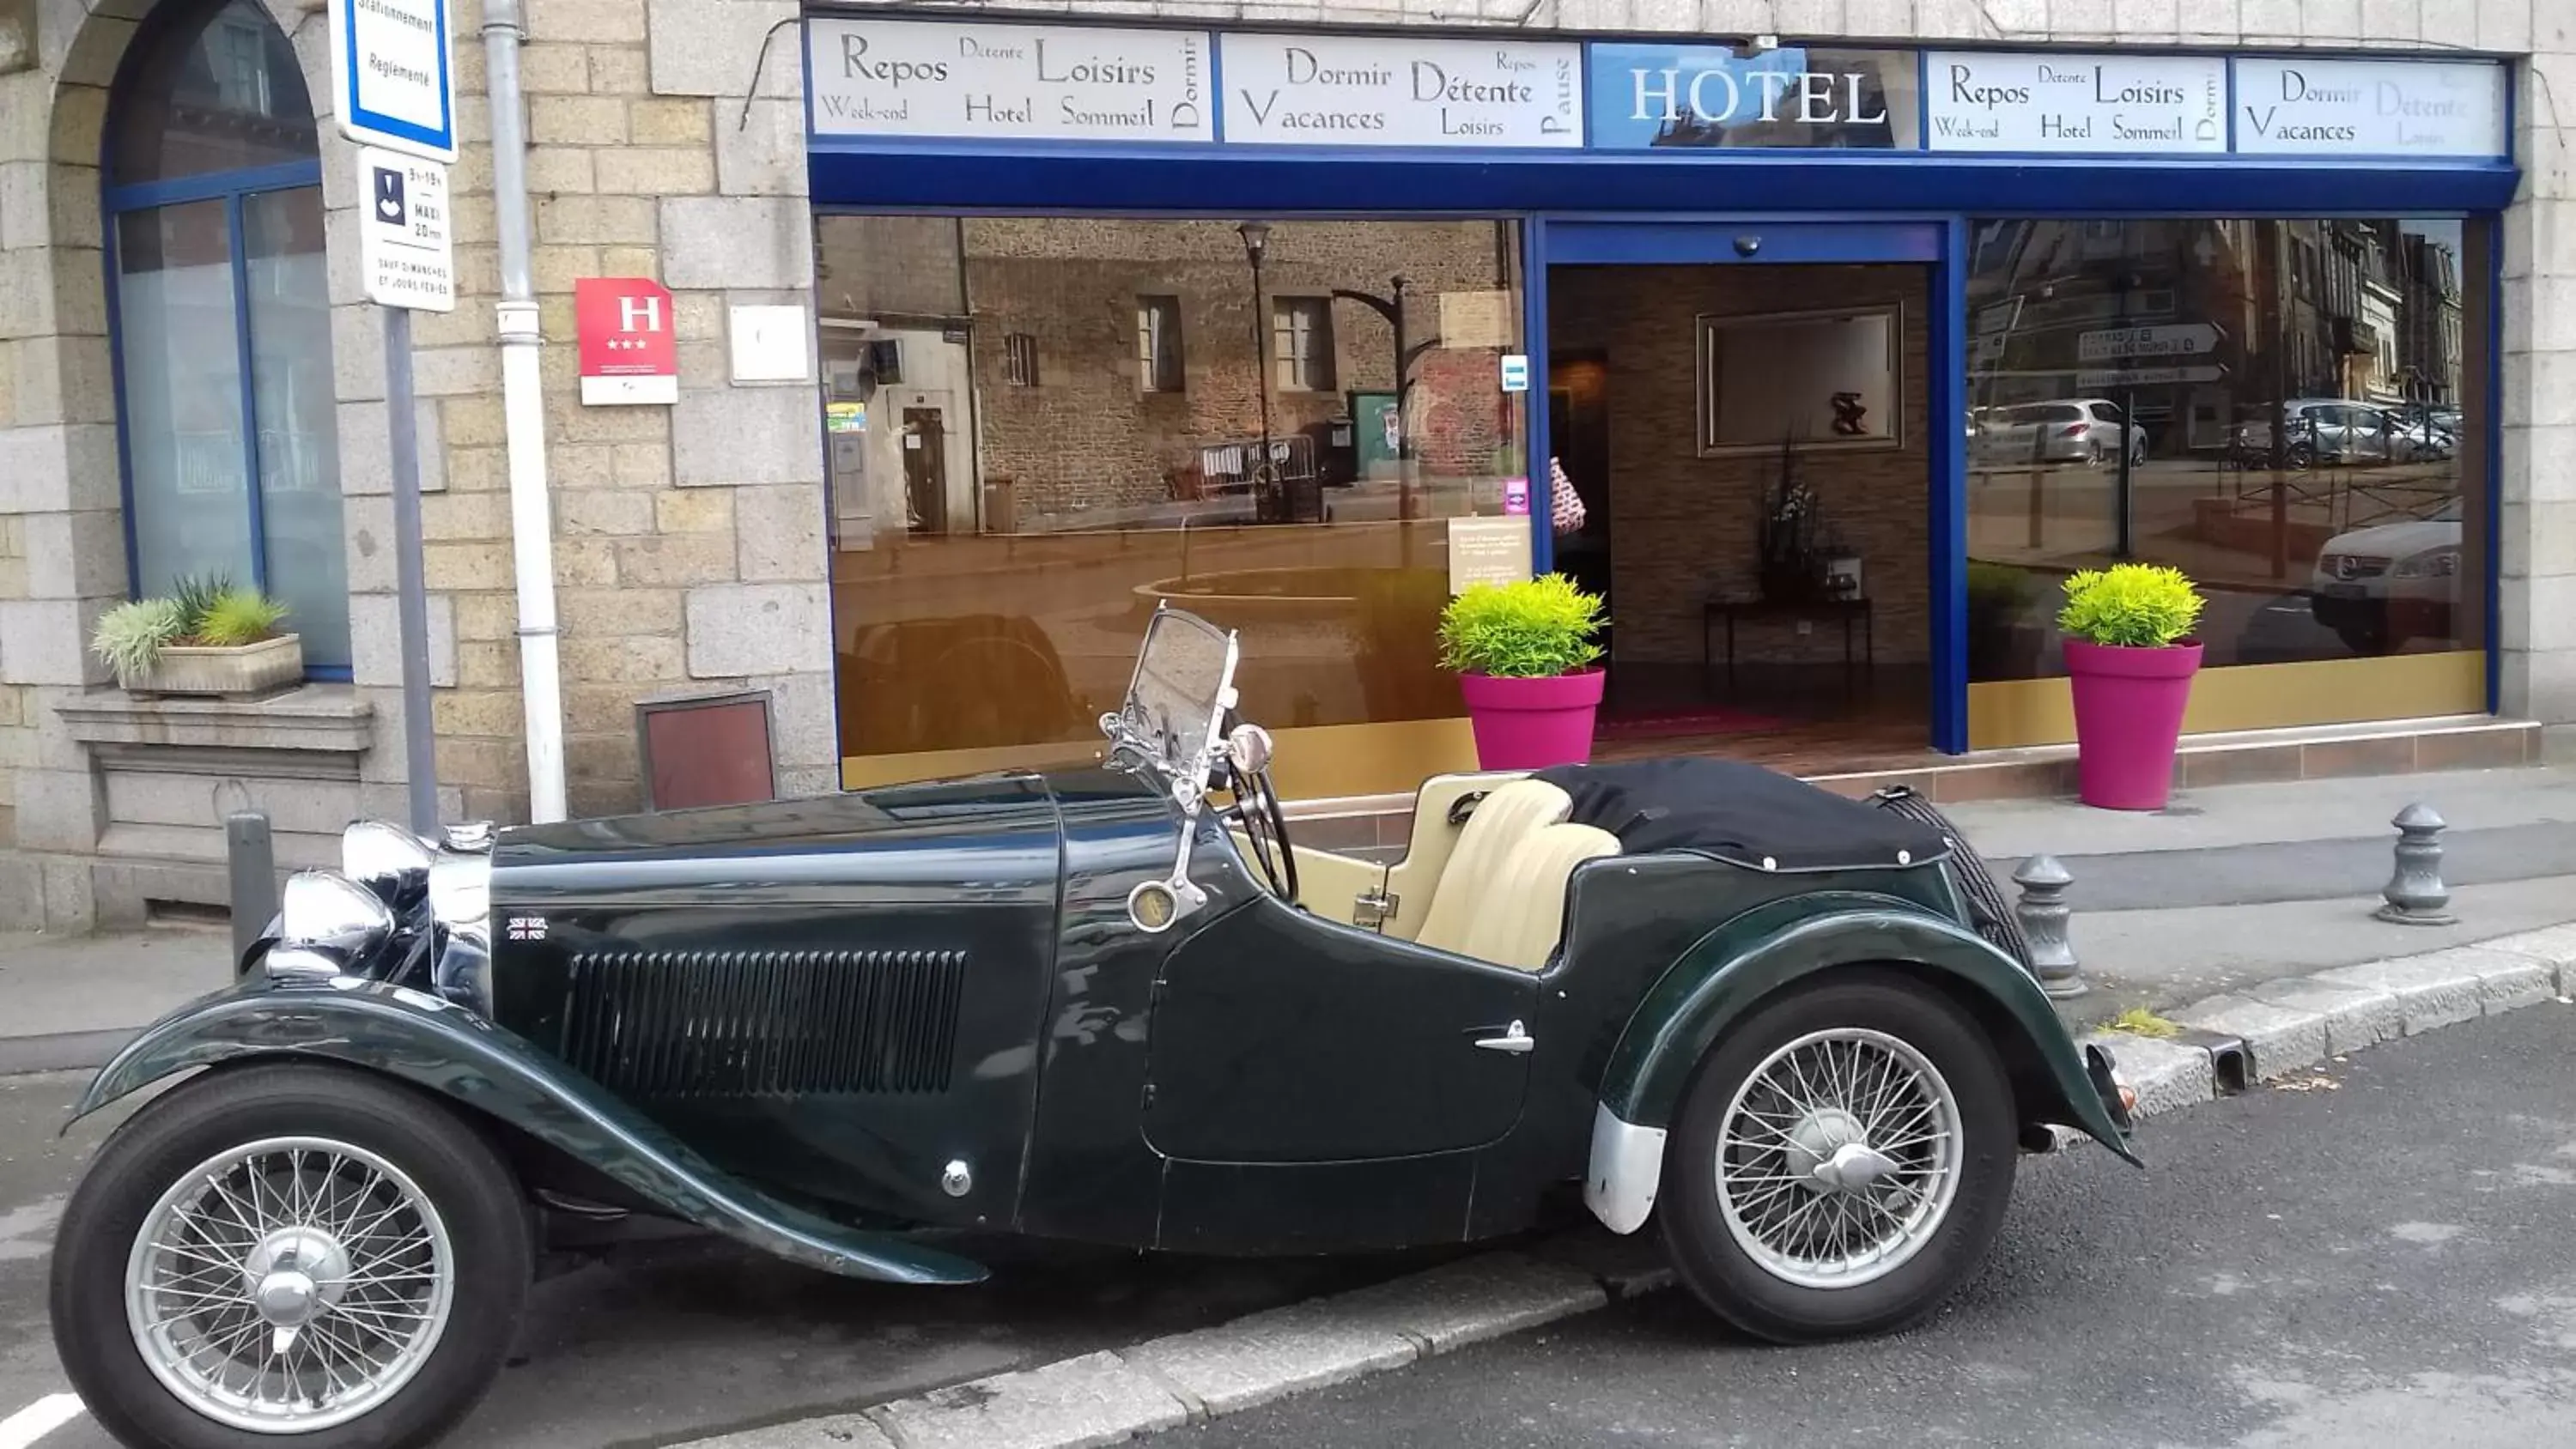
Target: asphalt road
[694, 1337]
[2386, 1262]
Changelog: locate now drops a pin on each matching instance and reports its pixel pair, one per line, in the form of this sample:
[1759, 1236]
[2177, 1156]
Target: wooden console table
[1852, 612]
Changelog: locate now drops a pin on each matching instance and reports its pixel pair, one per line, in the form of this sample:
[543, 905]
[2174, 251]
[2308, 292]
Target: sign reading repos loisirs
[389, 62]
[1007, 82]
[2099, 104]
[1348, 90]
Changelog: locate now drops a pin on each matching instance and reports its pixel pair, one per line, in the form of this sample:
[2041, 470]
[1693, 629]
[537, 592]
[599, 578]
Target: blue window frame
[219, 319]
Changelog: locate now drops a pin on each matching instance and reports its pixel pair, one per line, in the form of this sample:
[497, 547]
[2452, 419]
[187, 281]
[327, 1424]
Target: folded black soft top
[1740, 813]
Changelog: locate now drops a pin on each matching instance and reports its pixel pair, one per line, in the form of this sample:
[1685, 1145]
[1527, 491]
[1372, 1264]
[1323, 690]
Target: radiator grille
[764, 1023]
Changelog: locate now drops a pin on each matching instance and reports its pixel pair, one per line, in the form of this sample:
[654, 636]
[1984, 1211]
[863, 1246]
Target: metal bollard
[2042, 912]
[250, 857]
[2415, 894]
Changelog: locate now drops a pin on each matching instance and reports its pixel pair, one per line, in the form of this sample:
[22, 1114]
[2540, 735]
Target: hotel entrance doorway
[1753, 448]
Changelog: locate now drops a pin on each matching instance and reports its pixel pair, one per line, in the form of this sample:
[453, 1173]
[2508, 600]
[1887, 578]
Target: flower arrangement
[1792, 550]
[199, 613]
[1533, 629]
[2130, 606]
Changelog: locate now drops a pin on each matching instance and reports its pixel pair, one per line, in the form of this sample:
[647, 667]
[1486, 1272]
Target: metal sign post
[397, 100]
[409, 261]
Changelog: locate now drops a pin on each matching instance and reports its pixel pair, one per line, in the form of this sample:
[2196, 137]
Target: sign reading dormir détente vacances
[1348, 90]
[2102, 104]
[1698, 96]
[2319, 107]
[389, 63]
[1007, 82]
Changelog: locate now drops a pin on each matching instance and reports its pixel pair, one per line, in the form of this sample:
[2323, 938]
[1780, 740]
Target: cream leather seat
[1522, 912]
[1500, 822]
[1502, 895]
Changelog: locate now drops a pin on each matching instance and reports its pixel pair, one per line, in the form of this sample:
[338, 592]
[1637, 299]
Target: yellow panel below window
[2012, 713]
[1315, 763]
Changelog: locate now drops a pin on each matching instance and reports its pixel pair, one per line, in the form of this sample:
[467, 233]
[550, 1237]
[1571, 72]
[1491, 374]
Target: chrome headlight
[460, 900]
[325, 922]
[386, 859]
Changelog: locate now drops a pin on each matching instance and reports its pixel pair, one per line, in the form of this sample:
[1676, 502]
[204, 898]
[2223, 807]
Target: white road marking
[28, 1232]
[38, 1419]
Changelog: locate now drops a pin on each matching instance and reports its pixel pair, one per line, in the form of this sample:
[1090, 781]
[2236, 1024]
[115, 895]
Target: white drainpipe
[524, 418]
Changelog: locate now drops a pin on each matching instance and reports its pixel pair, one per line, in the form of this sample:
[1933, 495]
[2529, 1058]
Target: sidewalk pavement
[2241, 884]
[2230, 886]
[70, 1001]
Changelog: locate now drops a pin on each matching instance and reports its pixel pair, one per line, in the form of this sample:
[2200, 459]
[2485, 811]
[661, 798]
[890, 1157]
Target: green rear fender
[409, 1035]
[1780, 943]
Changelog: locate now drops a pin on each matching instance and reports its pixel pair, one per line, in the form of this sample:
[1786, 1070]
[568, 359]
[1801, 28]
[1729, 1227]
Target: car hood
[924, 841]
[2395, 540]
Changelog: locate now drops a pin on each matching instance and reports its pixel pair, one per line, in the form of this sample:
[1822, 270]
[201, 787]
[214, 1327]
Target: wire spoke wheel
[290, 1284]
[1838, 1158]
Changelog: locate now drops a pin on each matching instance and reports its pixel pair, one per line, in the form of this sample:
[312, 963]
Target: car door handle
[1515, 1039]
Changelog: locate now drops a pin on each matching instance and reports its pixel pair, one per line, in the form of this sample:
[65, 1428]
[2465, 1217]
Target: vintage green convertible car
[1114, 1005]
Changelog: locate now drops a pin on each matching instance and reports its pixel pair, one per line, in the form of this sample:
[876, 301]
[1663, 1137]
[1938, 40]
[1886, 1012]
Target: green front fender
[1776, 944]
[420, 1039]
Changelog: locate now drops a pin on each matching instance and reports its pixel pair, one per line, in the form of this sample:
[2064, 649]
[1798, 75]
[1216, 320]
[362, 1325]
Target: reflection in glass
[2279, 408]
[299, 438]
[183, 397]
[999, 545]
[218, 90]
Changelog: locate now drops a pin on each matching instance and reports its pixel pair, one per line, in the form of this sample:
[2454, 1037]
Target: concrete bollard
[2043, 912]
[250, 860]
[2415, 894]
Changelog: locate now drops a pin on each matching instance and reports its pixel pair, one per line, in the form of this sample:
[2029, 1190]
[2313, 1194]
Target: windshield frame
[1182, 747]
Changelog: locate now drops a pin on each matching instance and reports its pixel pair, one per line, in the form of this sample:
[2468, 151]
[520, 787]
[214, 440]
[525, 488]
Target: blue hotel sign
[1698, 96]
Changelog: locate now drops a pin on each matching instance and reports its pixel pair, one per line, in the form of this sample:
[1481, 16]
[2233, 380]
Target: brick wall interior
[1684, 528]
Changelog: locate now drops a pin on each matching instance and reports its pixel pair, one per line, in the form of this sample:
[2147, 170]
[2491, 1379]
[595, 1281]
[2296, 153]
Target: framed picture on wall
[1817, 381]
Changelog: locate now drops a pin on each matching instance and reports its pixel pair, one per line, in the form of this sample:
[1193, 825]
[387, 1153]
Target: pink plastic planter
[1530, 724]
[2128, 719]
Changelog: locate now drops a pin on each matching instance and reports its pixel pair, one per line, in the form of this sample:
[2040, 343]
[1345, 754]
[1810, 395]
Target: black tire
[1737, 1287]
[474, 1191]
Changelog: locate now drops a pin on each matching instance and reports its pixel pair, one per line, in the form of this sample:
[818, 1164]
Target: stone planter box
[249, 669]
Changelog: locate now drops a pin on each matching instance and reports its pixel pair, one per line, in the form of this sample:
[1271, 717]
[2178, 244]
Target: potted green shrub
[2130, 659]
[206, 638]
[1528, 665]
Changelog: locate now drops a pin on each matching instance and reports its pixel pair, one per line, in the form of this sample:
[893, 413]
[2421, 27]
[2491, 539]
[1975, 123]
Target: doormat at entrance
[1697, 720]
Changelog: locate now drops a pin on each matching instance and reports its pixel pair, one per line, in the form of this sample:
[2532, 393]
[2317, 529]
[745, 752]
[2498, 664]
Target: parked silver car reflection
[2330, 431]
[2072, 430]
[2379, 587]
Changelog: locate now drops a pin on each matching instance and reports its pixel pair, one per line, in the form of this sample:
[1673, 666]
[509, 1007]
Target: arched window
[221, 318]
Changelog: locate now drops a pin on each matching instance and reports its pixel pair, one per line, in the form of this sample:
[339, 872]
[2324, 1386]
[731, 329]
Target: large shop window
[1273, 424]
[2292, 412]
[221, 308]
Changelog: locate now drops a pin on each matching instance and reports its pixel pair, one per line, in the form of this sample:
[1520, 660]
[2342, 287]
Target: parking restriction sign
[405, 249]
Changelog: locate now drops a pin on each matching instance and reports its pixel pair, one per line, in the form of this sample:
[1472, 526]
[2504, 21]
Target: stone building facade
[667, 141]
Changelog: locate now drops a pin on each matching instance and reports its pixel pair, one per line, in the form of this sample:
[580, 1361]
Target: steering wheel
[1265, 824]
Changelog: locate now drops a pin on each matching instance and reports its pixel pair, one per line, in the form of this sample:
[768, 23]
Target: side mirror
[1248, 749]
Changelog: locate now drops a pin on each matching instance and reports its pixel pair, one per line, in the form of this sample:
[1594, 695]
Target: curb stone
[1108, 1397]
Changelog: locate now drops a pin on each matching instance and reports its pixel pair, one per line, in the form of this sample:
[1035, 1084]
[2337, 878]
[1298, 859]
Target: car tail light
[2073, 430]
